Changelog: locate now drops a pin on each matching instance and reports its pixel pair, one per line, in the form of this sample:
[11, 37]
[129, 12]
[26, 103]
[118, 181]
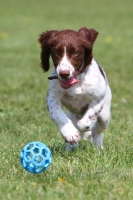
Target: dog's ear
[45, 40]
[88, 37]
[88, 34]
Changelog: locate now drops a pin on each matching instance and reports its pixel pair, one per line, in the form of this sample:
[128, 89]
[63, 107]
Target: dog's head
[71, 52]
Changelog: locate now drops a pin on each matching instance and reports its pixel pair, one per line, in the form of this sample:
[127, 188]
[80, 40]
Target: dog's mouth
[67, 83]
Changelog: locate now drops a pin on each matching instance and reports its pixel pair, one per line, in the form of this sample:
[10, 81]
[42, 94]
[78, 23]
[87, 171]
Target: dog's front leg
[70, 134]
[90, 117]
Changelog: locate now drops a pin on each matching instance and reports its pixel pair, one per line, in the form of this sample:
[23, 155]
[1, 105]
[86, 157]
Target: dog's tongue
[68, 83]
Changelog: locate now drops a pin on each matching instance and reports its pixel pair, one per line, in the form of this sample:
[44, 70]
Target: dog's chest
[76, 99]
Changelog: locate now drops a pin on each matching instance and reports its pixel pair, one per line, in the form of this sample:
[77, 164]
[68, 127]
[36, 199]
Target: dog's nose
[64, 73]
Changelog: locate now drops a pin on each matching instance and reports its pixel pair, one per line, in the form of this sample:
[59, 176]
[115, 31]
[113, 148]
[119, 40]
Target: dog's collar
[53, 77]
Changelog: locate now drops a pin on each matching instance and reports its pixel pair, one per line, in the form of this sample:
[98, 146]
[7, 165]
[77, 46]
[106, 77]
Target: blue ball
[35, 157]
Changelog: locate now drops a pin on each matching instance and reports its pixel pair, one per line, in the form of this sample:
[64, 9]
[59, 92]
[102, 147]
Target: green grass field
[86, 173]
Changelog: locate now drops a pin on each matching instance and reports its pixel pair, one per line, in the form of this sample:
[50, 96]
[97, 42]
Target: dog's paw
[87, 135]
[70, 134]
[98, 140]
[86, 124]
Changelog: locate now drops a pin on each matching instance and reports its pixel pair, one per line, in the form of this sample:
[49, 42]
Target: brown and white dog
[78, 83]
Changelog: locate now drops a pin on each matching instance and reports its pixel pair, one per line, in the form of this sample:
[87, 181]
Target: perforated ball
[35, 157]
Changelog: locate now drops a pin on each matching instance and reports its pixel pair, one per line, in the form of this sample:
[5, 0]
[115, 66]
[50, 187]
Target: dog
[77, 82]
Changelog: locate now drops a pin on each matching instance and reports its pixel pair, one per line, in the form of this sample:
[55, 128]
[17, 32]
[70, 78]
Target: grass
[85, 173]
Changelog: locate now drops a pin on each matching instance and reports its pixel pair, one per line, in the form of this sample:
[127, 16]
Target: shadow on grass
[59, 149]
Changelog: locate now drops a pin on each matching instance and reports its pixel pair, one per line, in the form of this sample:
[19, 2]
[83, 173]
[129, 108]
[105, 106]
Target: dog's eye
[75, 53]
[56, 52]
